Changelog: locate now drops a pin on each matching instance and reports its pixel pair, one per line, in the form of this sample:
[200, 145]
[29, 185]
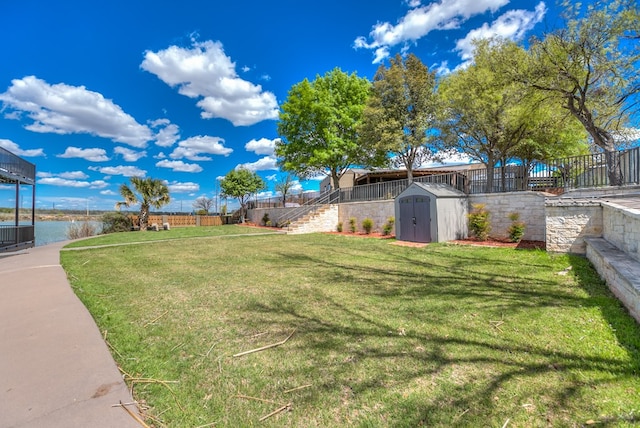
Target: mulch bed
[491, 242]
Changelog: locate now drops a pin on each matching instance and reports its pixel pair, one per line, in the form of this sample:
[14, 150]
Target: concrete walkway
[55, 369]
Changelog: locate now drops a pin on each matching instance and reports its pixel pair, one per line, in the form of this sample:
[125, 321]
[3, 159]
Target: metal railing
[594, 170]
[16, 237]
[15, 168]
[294, 214]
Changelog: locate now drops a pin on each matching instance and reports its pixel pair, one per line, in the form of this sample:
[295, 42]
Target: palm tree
[150, 192]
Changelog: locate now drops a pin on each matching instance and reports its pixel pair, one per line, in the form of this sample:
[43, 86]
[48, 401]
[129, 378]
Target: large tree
[241, 184]
[592, 68]
[318, 127]
[401, 112]
[148, 192]
[481, 115]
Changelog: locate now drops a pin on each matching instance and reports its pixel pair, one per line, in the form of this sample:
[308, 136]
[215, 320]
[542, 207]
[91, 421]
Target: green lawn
[164, 235]
[383, 335]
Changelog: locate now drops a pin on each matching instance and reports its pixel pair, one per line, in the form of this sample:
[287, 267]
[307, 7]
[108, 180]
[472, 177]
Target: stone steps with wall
[620, 271]
[323, 219]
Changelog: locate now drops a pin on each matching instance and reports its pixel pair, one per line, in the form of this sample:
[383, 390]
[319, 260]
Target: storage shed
[429, 212]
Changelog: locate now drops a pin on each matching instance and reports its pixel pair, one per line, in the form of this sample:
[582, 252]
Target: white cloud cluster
[205, 71]
[193, 148]
[179, 166]
[126, 171]
[167, 134]
[65, 109]
[188, 187]
[512, 25]
[421, 20]
[92, 155]
[264, 164]
[16, 150]
[70, 179]
[263, 146]
[129, 155]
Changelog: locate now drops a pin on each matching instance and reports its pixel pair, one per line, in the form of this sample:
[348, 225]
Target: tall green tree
[241, 184]
[481, 115]
[592, 68]
[148, 192]
[401, 112]
[318, 127]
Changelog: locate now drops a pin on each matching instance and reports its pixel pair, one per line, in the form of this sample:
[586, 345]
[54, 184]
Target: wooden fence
[182, 220]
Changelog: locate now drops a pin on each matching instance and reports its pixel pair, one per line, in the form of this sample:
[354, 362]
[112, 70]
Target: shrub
[352, 224]
[339, 226]
[116, 222]
[202, 212]
[517, 228]
[479, 224]
[265, 219]
[80, 230]
[367, 225]
[388, 226]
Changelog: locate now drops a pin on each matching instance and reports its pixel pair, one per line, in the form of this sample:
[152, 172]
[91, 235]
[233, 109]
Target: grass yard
[383, 335]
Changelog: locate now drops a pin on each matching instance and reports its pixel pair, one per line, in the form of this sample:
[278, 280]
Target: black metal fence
[16, 237]
[15, 168]
[559, 175]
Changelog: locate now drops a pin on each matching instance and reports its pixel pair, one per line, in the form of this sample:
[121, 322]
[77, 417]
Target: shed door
[415, 219]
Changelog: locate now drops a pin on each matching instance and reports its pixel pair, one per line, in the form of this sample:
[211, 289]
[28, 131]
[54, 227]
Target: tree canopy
[401, 112]
[592, 68]
[241, 184]
[318, 127]
[148, 192]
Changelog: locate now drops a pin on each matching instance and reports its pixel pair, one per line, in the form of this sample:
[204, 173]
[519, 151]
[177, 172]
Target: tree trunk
[335, 180]
[409, 174]
[490, 167]
[144, 217]
[602, 138]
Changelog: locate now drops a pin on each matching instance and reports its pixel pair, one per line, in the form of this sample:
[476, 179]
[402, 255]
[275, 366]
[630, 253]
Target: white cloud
[179, 166]
[421, 20]
[193, 148]
[65, 109]
[188, 187]
[16, 150]
[263, 146]
[108, 193]
[168, 133]
[126, 171]
[128, 154]
[266, 163]
[70, 175]
[92, 155]
[64, 182]
[205, 71]
[512, 25]
[272, 177]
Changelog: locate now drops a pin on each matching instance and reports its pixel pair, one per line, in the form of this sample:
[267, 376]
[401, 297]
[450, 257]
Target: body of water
[48, 232]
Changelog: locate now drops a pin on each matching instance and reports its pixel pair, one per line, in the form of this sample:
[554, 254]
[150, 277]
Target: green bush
[116, 222]
[265, 219]
[388, 226]
[479, 223]
[339, 226]
[367, 225]
[352, 224]
[517, 228]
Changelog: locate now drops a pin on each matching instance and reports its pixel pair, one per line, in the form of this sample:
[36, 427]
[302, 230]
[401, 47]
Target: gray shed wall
[448, 212]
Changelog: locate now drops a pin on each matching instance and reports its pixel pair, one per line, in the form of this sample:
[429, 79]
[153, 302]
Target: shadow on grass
[471, 367]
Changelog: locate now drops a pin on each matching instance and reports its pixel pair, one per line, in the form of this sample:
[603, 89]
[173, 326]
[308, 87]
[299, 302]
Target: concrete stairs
[324, 218]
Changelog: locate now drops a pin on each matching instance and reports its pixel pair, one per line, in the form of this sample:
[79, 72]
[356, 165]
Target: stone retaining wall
[621, 227]
[569, 221]
[378, 211]
[530, 206]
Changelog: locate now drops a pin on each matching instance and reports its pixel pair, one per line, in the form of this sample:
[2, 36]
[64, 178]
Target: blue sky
[96, 92]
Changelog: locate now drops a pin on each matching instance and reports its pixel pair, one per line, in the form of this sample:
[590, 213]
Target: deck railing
[16, 237]
[15, 168]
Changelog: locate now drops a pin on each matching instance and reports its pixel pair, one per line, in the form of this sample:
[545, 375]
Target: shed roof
[438, 190]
